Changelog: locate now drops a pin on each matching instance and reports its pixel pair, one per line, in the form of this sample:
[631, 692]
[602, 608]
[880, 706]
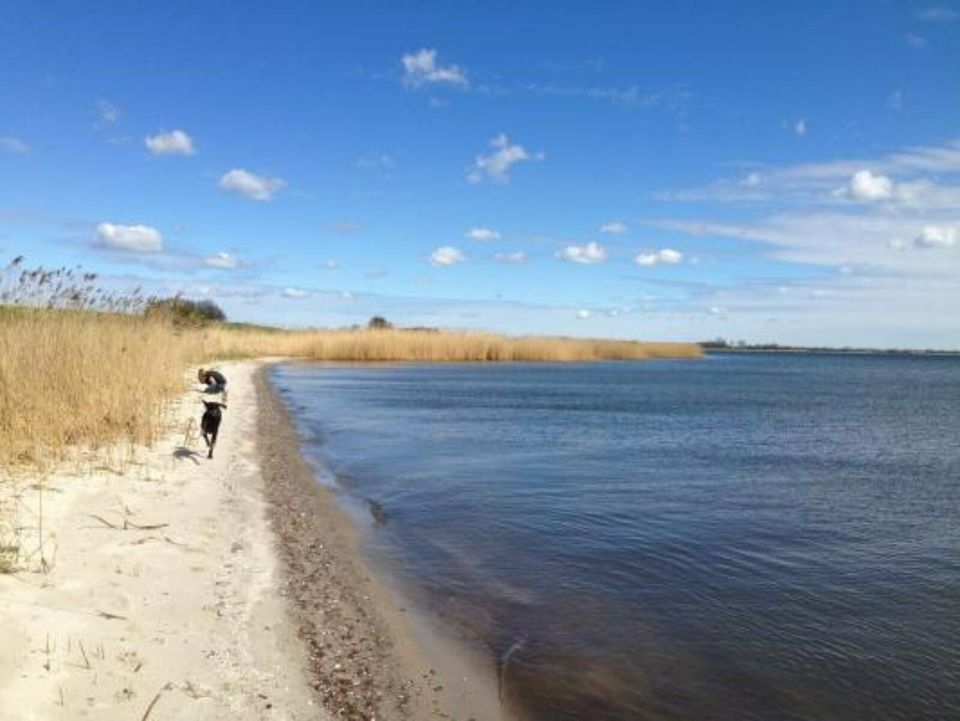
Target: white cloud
[421, 68]
[516, 257]
[330, 264]
[866, 186]
[176, 142]
[250, 185]
[665, 256]
[496, 166]
[933, 236]
[446, 256]
[800, 127]
[132, 238]
[588, 254]
[13, 146]
[752, 180]
[223, 261]
[583, 314]
[483, 234]
[615, 227]
[916, 41]
[295, 293]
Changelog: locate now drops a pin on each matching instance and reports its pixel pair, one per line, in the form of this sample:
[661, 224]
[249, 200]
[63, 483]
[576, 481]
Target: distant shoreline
[708, 350]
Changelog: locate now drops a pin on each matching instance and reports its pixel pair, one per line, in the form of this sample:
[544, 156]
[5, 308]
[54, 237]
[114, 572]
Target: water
[743, 537]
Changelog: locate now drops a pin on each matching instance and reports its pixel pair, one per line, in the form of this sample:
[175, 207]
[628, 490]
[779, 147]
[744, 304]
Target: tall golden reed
[90, 378]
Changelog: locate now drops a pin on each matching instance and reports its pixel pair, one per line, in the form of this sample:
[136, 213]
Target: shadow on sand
[183, 452]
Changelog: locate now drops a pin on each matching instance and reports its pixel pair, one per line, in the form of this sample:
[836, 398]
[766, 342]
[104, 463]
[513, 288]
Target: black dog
[210, 423]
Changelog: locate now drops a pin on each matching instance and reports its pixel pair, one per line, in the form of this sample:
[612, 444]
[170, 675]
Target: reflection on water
[754, 536]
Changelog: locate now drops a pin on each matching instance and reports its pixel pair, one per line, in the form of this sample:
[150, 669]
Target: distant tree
[185, 311]
[378, 322]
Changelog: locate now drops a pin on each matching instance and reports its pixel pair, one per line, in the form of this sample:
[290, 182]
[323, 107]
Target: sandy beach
[232, 588]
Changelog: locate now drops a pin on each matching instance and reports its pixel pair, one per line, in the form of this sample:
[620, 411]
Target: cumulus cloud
[445, 256]
[421, 68]
[933, 236]
[665, 256]
[223, 261]
[496, 166]
[250, 185]
[515, 257]
[131, 238]
[483, 234]
[295, 293]
[588, 254]
[583, 314]
[615, 227]
[13, 146]
[865, 186]
[176, 142]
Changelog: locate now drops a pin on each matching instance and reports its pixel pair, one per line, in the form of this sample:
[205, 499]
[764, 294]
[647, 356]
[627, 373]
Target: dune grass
[89, 378]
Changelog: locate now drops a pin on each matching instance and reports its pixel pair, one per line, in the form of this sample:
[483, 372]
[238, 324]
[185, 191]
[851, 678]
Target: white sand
[199, 623]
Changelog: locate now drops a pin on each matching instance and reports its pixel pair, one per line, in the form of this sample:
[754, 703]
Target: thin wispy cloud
[496, 166]
[295, 293]
[616, 227]
[250, 185]
[175, 142]
[515, 257]
[895, 101]
[107, 112]
[222, 261]
[800, 127]
[383, 162]
[421, 68]
[482, 234]
[9, 145]
[632, 96]
[588, 254]
[938, 14]
[918, 178]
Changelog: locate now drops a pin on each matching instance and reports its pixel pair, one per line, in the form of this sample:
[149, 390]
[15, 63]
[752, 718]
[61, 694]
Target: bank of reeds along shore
[80, 367]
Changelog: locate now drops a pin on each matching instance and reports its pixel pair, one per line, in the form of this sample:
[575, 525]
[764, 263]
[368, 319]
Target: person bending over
[215, 381]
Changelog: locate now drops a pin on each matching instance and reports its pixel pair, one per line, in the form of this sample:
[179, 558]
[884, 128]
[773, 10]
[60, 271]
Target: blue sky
[782, 172]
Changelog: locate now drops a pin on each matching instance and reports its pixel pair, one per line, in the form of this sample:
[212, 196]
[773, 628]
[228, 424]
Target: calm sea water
[743, 537]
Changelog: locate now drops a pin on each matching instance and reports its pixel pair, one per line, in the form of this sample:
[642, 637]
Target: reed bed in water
[450, 346]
